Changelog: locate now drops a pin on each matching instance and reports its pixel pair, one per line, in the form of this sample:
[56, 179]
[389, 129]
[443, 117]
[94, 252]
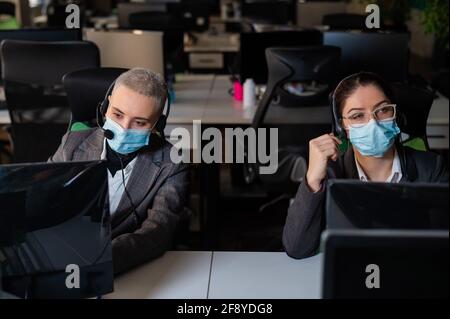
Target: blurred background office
[206, 49]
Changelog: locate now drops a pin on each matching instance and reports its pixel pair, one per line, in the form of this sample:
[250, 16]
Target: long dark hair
[349, 85]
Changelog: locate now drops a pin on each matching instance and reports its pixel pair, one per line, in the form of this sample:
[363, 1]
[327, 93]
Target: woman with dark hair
[366, 111]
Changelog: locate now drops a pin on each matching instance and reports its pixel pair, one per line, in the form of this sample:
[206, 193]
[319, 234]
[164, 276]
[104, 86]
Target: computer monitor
[353, 204]
[385, 264]
[269, 11]
[385, 53]
[55, 236]
[254, 44]
[115, 47]
[124, 9]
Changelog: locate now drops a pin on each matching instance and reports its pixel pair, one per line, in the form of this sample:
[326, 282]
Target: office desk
[217, 275]
[264, 275]
[176, 275]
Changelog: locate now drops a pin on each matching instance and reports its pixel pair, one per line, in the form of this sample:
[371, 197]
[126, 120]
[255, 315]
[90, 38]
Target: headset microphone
[108, 134]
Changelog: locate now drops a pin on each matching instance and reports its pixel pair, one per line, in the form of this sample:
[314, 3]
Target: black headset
[103, 107]
[337, 118]
[337, 127]
[340, 131]
[159, 126]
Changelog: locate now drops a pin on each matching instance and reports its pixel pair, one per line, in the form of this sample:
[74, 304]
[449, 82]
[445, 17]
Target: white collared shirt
[115, 183]
[396, 173]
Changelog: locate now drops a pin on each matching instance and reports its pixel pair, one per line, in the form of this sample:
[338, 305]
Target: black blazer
[305, 220]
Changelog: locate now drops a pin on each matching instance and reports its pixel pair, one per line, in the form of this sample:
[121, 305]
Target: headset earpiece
[162, 121]
[105, 103]
[401, 120]
[337, 125]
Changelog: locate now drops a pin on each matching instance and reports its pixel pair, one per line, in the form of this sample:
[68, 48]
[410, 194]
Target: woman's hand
[321, 150]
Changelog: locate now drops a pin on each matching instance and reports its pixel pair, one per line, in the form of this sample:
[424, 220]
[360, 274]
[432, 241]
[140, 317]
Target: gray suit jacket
[158, 189]
[306, 215]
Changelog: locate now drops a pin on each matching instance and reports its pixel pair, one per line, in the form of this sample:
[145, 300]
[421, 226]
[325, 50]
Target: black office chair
[252, 59]
[413, 107]
[85, 89]
[170, 23]
[317, 65]
[7, 8]
[440, 82]
[37, 104]
[345, 21]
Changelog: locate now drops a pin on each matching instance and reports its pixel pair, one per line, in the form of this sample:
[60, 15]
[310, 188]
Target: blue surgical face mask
[374, 138]
[126, 141]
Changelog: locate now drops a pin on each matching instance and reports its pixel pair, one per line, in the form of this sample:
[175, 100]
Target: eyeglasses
[385, 112]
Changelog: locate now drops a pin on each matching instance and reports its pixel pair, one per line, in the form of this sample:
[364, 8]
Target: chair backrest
[32, 73]
[319, 65]
[345, 21]
[8, 8]
[253, 44]
[86, 89]
[413, 105]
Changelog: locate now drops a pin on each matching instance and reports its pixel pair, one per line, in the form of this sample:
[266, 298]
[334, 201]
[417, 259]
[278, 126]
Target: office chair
[319, 64]
[345, 21]
[439, 82]
[286, 65]
[252, 57]
[7, 8]
[32, 74]
[413, 107]
[85, 89]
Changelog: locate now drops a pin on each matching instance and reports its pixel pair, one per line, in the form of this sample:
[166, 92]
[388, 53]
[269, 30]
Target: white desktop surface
[191, 96]
[216, 275]
[175, 275]
[261, 275]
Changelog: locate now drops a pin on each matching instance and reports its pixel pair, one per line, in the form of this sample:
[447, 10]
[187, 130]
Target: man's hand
[321, 150]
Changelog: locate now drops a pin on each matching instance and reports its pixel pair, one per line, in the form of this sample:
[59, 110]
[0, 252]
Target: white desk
[264, 275]
[222, 109]
[176, 275]
[237, 275]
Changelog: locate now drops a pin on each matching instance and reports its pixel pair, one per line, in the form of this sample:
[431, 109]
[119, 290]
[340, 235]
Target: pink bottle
[238, 91]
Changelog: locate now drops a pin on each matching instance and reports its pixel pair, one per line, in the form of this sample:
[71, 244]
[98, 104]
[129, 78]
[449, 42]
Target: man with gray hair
[147, 191]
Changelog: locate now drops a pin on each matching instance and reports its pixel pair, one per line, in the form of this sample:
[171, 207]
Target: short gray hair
[145, 82]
